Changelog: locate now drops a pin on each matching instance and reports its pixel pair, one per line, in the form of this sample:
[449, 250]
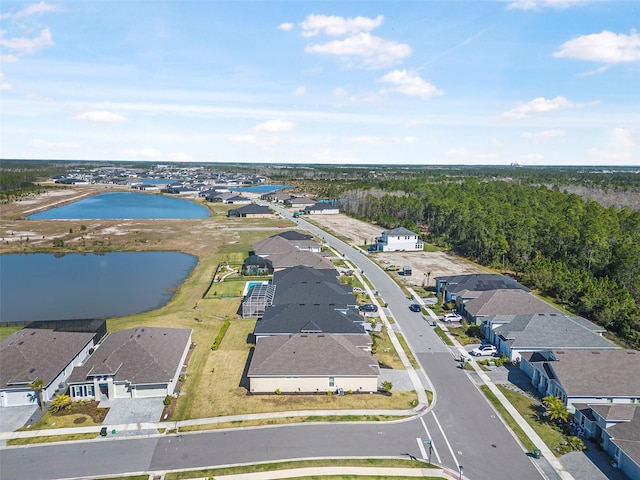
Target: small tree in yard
[555, 409]
[37, 386]
[387, 386]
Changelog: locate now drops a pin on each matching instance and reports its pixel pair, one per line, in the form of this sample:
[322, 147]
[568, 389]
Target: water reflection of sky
[125, 205]
[46, 286]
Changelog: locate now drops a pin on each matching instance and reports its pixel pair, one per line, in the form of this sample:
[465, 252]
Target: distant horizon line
[515, 165]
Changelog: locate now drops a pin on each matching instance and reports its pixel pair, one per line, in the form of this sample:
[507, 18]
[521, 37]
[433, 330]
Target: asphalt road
[462, 426]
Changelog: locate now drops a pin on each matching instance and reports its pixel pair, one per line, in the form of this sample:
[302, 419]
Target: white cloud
[275, 126]
[464, 153]
[179, 157]
[286, 26]
[41, 7]
[535, 156]
[543, 134]
[379, 141]
[46, 145]
[4, 85]
[539, 106]
[100, 117]
[9, 59]
[604, 47]
[626, 138]
[609, 155]
[363, 49]
[264, 142]
[28, 46]
[297, 92]
[410, 83]
[539, 4]
[335, 26]
[339, 92]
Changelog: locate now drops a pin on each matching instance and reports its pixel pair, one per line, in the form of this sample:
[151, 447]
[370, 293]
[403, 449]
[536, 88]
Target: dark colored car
[414, 307]
[368, 307]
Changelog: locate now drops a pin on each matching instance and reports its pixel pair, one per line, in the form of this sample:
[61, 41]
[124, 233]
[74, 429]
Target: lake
[124, 205]
[43, 286]
[260, 188]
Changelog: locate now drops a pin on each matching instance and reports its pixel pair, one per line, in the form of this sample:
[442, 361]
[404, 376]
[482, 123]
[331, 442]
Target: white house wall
[312, 384]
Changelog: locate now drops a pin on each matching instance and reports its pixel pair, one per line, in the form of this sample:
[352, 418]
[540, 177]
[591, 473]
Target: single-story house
[617, 428]
[252, 210]
[274, 245]
[399, 239]
[229, 199]
[294, 236]
[300, 202]
[312, 362]
[338, 295]
[135, 363]
[278, 197]
[39, 353]
[514, 335]
[300, 273]
[321, 209]
[585, 376]
[257, 265]
[296, 258]
[500, 302]
[290, 319]
[452, 285]
[301, 241]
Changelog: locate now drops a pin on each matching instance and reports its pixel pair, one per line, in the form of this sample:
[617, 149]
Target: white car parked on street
[484, 350]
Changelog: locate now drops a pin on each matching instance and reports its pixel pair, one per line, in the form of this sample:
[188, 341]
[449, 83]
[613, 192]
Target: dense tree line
[573, 249]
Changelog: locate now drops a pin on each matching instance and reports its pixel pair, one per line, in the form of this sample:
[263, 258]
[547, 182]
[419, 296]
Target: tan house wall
[312, 384]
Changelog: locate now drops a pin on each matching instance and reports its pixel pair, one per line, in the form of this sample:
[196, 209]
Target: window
[332, 381]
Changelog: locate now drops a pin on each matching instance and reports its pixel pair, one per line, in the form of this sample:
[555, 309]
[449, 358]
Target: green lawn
[527, 408]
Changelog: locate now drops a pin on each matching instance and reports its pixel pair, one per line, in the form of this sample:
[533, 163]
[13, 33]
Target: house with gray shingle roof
[252, 210]
[296, 258]
[514, 335]
[35, 353]
[312, 362]
[452, 285]
[300, 273]
[399, 239]
[134, 363]
[501, 302]
[307, 318]
[337, 295]
[585, 375]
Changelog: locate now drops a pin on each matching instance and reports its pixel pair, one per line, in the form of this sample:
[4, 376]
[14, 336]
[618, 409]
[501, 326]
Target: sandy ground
[425, 265]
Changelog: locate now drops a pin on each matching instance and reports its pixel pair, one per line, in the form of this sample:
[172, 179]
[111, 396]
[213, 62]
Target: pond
[260, 188]
[124, 205]
[45, 286]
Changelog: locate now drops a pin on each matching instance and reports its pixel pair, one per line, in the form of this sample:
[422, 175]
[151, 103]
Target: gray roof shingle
[311, 355]
[142, 355]
[295, 318]
[33, 353]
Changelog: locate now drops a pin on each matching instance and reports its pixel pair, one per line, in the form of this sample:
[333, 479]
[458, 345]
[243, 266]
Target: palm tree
[556, 408]
[37, 386]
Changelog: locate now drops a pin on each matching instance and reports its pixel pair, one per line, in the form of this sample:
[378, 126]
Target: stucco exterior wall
[312, 384]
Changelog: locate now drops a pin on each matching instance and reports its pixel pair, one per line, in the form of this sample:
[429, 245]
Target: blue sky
[539, 82]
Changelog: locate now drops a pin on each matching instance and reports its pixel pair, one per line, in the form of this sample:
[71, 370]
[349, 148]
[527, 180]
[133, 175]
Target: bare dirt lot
[425, 265]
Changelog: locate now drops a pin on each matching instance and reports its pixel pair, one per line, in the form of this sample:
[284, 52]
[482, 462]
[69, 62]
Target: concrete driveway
[132, 411]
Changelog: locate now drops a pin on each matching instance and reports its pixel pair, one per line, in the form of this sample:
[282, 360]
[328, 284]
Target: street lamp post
[460, 470]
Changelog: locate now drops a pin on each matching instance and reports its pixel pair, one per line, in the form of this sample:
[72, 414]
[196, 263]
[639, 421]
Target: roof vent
[32, 370]
[595, 353]
[630, 352]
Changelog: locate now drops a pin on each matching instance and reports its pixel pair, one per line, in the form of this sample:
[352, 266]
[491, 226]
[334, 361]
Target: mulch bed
[88, 408]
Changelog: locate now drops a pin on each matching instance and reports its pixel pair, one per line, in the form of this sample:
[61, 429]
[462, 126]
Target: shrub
[329, 393]
[167, 400]
[278, 391]
[60, 402]
[387, 386]
[223, 330]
